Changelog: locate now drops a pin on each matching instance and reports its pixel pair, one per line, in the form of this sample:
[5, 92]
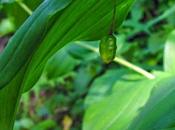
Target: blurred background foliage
[57, 102]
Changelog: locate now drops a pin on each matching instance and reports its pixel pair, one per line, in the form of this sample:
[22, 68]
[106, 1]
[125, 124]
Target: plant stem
[167, 13]
[134, 67]
[122, 62]
[24, 7]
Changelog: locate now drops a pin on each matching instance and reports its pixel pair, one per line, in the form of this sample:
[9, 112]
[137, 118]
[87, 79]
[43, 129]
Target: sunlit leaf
[169, 54]
[133, 103]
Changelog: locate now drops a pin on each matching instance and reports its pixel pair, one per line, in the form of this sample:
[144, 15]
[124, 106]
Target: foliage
[30, 48]
[73, 88]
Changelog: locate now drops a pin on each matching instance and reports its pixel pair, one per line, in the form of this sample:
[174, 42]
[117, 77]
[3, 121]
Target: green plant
[135, 102]
[74, 89]
[53, 25]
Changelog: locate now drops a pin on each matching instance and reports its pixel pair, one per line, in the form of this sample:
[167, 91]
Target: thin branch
[24, 7]
[134, 67]
[163, 16]
[122, 62]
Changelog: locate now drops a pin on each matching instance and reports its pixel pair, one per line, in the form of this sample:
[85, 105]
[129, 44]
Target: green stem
[24, 7]
[161, 17]
[122, 62]
[134, 67]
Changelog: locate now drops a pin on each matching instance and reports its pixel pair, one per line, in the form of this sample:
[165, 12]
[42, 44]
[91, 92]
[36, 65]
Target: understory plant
[51, 26]
[58, 34]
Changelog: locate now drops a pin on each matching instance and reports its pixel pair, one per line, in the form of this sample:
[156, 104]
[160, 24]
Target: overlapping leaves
[54, 24]
[132, 103]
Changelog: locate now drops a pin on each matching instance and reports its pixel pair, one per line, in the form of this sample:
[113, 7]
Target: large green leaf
[9, 98]
[134, 103]
[89, 27]
[101, 88]
[54, 24]
[158, 113]
[26, 40]
[10, 95]
[169, 53]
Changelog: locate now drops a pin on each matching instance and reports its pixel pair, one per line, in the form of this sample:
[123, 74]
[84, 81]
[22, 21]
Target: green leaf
[158, 113]
[80, 53]
[45, 125]
[59, 65]
[6, 26]
[6, 1]
[85, 75]
[9, 98]
[101, 88]
[26, 123]
[122, 9]
[22, 46]
[134, 103]
[10, 95]
[169, 53]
